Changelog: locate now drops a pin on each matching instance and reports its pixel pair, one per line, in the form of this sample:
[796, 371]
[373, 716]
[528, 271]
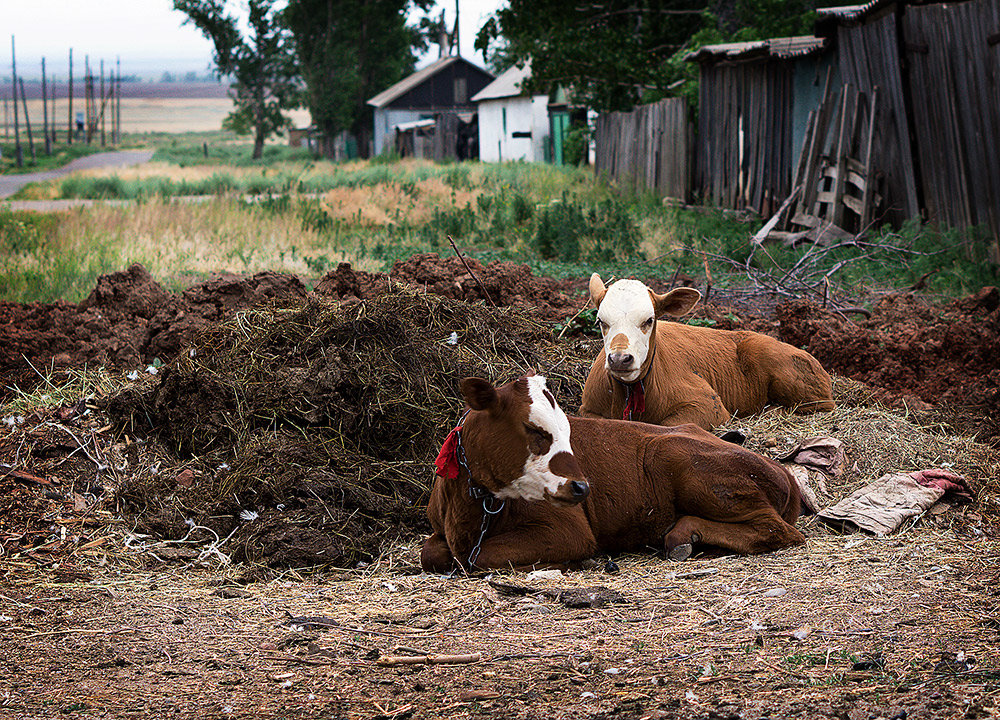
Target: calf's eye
[539, 441]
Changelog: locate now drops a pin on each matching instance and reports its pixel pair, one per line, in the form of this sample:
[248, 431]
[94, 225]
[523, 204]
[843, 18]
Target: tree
[349, 51]
[261, 66]
[617, 53]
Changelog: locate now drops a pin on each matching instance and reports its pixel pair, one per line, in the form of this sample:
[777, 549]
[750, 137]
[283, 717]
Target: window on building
[460, 91]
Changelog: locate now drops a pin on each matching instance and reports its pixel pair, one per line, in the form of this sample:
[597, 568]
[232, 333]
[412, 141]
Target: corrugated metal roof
[850, 13]
[787, 47]
[408, 83]
[507, 85]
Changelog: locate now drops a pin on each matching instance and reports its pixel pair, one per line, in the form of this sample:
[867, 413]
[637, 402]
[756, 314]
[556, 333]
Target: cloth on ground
[881, 506]
[815, 456]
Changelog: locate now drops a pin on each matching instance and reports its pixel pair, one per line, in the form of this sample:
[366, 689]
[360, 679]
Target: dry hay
[309, 432]
[393, 202]
[877, 440]
[322, 420]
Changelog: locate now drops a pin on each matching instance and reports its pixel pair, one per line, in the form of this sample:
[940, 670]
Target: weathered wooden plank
[852, 203]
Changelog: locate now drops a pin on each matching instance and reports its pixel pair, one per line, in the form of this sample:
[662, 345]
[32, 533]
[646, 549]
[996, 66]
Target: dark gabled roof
[784, 48]
[408, 83]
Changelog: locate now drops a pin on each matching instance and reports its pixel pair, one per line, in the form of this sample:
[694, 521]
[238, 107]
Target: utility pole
[118, 100]
[69, 113]
[88, 98]
[27, 120]
[45, 113]
[18, 153]
[52, 97]
[104, 101]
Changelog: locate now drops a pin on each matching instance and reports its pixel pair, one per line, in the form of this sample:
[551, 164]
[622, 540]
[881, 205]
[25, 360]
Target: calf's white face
[548, 434]
[626, 313]
[519, 442]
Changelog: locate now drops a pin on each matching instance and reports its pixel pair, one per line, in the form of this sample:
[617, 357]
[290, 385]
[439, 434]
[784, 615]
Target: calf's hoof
[736, 437]
[681, 552]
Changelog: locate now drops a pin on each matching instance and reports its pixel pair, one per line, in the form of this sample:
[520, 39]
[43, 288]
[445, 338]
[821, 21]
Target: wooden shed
[444, 86]
[929, 68]
[937, 67]
[754, 101]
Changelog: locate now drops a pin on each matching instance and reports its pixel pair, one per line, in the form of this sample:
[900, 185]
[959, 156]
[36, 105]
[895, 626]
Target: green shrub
[576, 146]
[25, 232]
[570, 231]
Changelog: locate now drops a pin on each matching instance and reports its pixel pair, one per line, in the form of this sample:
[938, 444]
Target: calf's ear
[676, 302]
[597, 289]
[479, 393]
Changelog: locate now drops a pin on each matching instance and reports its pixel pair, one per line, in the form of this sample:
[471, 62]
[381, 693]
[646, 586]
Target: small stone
[775, 592]
[802, 633]
[545, 575]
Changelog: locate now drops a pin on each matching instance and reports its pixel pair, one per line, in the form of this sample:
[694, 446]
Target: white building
[512, 124]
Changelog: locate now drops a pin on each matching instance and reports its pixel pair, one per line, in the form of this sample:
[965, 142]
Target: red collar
[635, 392]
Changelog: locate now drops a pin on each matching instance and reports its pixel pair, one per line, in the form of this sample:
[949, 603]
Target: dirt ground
[714, 638]
[106, 614]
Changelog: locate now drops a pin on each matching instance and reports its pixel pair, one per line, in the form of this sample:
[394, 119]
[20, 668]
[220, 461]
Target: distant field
[146, 107]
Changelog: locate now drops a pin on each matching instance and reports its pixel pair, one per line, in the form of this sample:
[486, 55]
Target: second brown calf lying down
[523, 485]
[667, 373]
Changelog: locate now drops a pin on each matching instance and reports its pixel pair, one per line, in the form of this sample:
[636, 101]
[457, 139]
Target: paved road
[10, 184]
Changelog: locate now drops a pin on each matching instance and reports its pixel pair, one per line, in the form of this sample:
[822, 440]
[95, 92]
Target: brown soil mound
[126, 320]
[500, 283]
[309, 433]
[915, 352]
[941, 356]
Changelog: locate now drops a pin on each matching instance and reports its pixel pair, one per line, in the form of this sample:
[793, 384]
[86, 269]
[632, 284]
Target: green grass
[218, 148]
[560, 221]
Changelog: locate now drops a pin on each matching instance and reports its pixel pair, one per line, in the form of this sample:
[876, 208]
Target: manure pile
[307, 434]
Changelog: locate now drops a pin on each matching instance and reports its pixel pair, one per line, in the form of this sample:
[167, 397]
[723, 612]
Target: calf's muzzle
[576, 488]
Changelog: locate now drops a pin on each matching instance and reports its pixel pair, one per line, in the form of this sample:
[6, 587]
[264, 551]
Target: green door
[559, 122]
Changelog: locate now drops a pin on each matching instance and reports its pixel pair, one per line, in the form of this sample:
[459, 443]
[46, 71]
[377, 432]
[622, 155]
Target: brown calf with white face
[522, 485]
[666, 373]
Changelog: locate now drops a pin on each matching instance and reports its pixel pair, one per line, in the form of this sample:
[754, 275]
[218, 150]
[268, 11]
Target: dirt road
[10, 184]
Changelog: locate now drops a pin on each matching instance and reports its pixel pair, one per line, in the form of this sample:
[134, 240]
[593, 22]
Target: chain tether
[477, 492]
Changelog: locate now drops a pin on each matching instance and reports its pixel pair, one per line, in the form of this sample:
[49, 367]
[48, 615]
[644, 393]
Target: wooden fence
[648, 148]
[869, 59]
[954, 66]
[744, 151]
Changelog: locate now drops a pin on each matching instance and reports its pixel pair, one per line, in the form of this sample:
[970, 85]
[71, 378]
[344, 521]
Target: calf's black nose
[579, 489]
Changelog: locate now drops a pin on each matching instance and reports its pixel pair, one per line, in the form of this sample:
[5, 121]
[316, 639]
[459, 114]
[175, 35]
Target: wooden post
[118, 100]
[868, 196]
[104, 101]
[18, 153]
[52, 95]
[45, 113]
[27, 120]
[839, 160]
[69, 93]
[88, 98]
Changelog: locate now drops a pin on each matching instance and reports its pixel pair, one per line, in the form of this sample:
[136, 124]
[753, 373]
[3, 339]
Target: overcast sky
[147, 35]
